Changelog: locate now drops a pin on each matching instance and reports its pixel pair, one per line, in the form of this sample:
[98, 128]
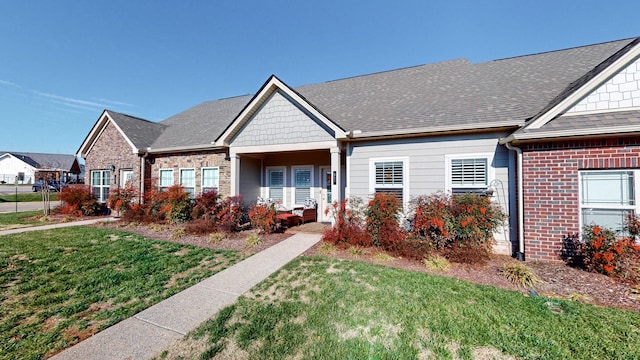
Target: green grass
[59, 286]
[321, 308]
[27, 197]
[19, 219]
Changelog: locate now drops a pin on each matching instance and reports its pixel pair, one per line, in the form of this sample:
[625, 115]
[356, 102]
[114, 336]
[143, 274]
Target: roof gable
[272, 85]
[138, 133]
[280, 120]
[43, 161]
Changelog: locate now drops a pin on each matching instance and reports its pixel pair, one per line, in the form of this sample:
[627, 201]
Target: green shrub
[519, 274]
[436, 263]
[253, 240]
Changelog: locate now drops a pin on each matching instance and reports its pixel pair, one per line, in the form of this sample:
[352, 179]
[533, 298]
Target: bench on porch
[308, 211]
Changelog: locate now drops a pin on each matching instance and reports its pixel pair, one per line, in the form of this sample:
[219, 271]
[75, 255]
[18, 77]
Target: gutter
[486, 127]
[520, 211]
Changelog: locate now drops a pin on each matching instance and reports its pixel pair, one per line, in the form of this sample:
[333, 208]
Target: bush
[348, 224]
[173, 205]
[207, 205]
[201, 226]
[263, 217]
[606, 254]
[79, 200]
[122, 199]
[382, 221]
[519, 274]
[230, 214]
[460, 226]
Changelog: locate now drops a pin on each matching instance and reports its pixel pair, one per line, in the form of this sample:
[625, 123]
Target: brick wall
[112, 148]
[194, 160]
[551, 187]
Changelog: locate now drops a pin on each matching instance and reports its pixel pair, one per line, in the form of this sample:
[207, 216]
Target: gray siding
[427, 164]
[279, 121]
[249, 179]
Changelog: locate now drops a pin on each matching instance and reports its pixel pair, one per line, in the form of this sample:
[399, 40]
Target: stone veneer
[551, 187]
[111, 148]
[197, 161]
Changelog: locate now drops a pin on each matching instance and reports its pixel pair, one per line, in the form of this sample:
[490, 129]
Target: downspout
[520, 211]
[142, 174]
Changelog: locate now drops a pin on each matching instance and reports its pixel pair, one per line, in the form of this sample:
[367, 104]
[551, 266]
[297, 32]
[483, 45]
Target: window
[302, 184]
[468, 173]
[210, 179]
[188, 181]
[100, 182]
[388, 176]
[606, 197]
[166, 179]
[126, 178]
[275, 182]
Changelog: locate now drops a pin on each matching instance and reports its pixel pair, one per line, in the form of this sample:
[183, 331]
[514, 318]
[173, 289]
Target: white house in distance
[25, 168]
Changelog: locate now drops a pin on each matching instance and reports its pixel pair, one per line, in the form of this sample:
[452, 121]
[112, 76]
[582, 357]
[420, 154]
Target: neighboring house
[452, 127]
[25, 168]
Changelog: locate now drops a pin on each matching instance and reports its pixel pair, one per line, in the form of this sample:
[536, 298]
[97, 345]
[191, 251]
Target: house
[25, 168]
[508, 128]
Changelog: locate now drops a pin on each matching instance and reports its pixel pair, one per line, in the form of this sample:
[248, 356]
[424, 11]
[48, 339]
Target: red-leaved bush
[348, 224]
[230, 214]
[78, 200]
[121, 200]
[263, 217]
[383, 223]
[607, 254]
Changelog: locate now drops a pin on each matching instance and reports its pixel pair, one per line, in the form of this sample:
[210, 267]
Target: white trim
[202, 186]
[586, 89]
[180, 182]
[318, 145]
[293, 182]
[602, 111]
[122, 181]
[405, 176]
[173, 177]
[267, 182]
[574, 133]
[271, 86]
[490, 169]
[357, 134]
[636, 193]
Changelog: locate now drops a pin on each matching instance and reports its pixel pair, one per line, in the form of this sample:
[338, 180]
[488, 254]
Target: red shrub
[201, 226]
[121, 200]
[263, 217]
[230, 214]
[79, 200]
[173, 205]
[382, 221]
[207, 205]
[348, 224]
[433, 220]
[606, 254]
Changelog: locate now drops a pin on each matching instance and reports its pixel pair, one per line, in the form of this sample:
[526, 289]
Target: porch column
[235, 174]
[336, 178]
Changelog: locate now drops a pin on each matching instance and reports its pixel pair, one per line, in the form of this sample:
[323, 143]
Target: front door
[326, 200]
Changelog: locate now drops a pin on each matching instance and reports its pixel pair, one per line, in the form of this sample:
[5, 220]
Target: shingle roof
[593, 121]
[60, 162]
[449, 93]
[142, 133]
[201, 124]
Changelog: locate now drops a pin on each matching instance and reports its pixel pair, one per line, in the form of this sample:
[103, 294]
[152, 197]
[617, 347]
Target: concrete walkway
[149, 332]
[55, 226]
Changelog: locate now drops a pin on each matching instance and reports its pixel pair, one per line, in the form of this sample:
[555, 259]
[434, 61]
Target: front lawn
[61, 286]
[14, 220]
[27, 197]
[323, 308]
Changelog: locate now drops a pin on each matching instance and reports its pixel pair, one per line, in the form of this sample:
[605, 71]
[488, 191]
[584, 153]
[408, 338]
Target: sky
[63, 62]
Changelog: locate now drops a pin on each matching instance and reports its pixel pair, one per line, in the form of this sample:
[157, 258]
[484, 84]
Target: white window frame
[189, 189]
[293, 182]
[203, 187]
[123, 177]
[284, 181]
[635, 208]
[448, 170]
[405, 177]
[103, 186]
[162, 186]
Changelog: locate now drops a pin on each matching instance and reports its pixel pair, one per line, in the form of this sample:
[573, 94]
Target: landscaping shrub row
[459, 227]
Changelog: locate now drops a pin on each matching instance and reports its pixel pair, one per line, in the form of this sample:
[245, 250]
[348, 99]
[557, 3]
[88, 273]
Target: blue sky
[63, 62]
